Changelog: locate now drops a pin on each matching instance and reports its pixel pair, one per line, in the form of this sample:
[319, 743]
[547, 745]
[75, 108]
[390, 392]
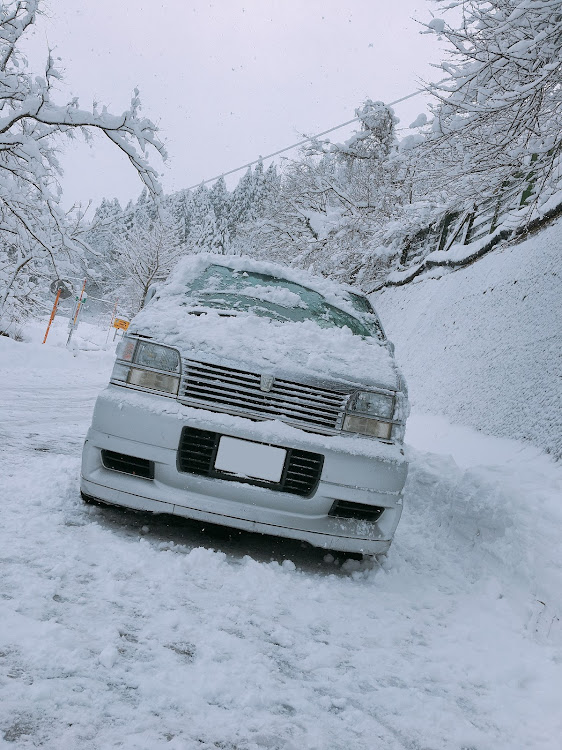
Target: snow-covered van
[258, 397]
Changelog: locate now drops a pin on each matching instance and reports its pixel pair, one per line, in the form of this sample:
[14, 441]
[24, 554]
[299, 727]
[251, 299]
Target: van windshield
[223, 288]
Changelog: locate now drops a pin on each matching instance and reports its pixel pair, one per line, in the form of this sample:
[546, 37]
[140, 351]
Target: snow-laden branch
[31, 125]
[502, 100]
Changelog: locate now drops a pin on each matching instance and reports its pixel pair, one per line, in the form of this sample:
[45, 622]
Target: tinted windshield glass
[223, 288]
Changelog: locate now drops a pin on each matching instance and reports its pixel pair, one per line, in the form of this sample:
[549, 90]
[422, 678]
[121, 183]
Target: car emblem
[266, 382]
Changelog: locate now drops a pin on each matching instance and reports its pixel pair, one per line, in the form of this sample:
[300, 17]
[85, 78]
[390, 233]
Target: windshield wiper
[206, 312]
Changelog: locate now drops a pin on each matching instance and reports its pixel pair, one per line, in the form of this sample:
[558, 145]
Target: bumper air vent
[138, 467]
[358, 511]
[198, 449]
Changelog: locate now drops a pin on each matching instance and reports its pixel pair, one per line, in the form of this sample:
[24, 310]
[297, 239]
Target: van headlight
[363, 410]
[146, 365]
[372, 404]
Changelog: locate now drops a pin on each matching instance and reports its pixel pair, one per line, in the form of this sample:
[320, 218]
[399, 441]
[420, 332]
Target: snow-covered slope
[483, 345]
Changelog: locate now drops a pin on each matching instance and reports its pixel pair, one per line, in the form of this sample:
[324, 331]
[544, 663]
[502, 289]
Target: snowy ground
[118, 630]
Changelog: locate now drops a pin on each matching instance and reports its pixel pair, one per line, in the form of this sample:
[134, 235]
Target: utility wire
[295, 145]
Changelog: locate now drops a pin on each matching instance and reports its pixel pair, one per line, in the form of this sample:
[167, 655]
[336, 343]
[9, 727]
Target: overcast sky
[228, 80]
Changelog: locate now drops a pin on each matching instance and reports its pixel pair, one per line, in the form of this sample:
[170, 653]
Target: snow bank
[483, 345]
[35, 359]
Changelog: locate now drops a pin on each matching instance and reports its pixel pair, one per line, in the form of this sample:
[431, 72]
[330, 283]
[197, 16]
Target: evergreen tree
[208, 239]
[259, 189]
[219, 198]
[200, 208]
[241, 202]
[181, 215]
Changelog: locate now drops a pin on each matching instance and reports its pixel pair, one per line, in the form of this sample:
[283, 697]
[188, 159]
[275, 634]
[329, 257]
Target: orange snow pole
[53, 312]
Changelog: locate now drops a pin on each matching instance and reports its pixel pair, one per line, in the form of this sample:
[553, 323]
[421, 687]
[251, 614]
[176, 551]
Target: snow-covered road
[119, 630]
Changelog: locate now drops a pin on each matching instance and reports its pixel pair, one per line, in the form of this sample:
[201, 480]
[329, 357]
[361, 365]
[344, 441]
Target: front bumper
[146, 426]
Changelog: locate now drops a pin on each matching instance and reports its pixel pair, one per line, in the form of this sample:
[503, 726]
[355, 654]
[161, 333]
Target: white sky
[228, 80]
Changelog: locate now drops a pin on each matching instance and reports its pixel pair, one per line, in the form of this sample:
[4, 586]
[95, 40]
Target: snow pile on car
[192, 266]
[261, 344]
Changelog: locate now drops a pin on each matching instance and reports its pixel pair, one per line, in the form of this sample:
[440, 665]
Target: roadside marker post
[73, 324]
[112, 319]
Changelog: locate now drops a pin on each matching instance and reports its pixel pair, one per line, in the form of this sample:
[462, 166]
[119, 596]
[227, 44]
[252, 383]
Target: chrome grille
[224, 389]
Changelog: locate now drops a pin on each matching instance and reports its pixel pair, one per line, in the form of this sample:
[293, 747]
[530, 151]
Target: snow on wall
[483, 345]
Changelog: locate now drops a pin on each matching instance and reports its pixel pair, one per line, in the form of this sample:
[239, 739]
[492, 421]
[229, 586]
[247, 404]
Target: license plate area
[247, 460]
[198, 449]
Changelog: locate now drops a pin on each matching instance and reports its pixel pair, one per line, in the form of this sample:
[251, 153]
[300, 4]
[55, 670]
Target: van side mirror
[149, 294]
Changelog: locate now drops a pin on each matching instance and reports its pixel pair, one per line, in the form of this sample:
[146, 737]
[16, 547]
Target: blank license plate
[251, 460]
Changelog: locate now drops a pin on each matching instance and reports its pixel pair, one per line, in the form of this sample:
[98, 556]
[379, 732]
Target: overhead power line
[295, 145]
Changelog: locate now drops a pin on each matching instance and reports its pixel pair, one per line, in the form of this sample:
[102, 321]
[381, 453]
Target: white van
[258, 397]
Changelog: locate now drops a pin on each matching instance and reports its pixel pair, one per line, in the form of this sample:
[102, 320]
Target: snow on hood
[258, 344]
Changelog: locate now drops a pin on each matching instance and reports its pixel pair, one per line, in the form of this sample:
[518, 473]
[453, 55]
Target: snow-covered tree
[250, 201]
[212, 235]
[181, 210]
[108, 222]
[145, 254]
[374, 140]
[334, 201]
[38, 240]
[219, 198]
[272, 185]
[499, 110]
[200, 206]
[241, 201]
